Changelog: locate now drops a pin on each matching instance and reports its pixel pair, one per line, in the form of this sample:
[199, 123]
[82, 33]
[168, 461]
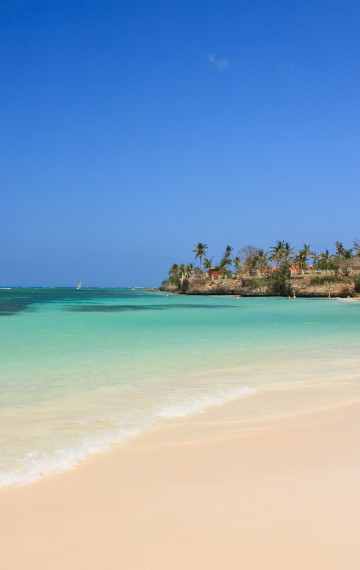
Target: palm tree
[207, 263]
[356, 244]
[315, 259]
[189, 268]
[288, 252]
[340, 250]
[301, 258]
[181, 269]
[199, 251]
[277, 252]
[250, 264]
[261, 261]
[236, 262]
[306, 251]
[325, 261]
[225, 262]
[346, 263]
[228, 251]
[174, 269]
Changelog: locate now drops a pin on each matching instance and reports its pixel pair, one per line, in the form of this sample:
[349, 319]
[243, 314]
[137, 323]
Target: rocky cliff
[315, 287]
[305, 286]
[243, 287]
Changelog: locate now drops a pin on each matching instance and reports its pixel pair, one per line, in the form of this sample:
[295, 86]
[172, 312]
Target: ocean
[83, 370]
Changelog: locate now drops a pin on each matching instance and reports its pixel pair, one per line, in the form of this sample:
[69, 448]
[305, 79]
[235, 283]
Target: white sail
[79, 286]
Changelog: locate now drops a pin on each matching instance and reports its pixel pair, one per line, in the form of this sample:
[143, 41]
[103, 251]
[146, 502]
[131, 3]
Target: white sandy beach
[180, 285]
[205, 493]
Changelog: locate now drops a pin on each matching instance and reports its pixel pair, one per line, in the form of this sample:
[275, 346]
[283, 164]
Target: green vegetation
[254, 283]
[273, 267]
[199, 251]
[323, 279]
[278, 277]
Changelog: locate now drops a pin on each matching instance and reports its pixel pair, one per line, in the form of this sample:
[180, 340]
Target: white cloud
[220, 64]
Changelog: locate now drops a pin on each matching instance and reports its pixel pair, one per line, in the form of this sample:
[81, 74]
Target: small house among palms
[214, 273]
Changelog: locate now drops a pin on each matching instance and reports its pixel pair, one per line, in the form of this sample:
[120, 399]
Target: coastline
[205, 491]
[301, 286]
[104, 396]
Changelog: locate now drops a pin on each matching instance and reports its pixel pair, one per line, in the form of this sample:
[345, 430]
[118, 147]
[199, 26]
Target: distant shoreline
[306, 286]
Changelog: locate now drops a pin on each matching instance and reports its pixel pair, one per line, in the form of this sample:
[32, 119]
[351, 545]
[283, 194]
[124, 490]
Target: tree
[277, 252]
[261, 261]
[346, 262]
[174, 269]
[207, 263]
[301, 258]
[306, 251]
[226, 259]
[225, 262]
[199, 251]
[228, 250]
[189, 268]
[325, 261]
[277, 279]
[249, 255]
[175, 274]
[236, 263]
[249, 251]
[315, 259]
[340, 252]
[288, 252]
[356, 244]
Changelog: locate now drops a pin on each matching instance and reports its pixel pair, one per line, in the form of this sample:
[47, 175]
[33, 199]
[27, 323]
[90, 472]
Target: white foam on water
[70, 397]
[38, 465]
[179, 407]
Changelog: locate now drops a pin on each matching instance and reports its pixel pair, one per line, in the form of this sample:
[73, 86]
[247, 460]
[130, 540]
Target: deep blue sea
[82, 370]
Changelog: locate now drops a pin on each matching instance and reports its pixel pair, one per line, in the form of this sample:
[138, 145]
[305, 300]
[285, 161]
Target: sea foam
[179, 407]
[34, 466]
[38, 465]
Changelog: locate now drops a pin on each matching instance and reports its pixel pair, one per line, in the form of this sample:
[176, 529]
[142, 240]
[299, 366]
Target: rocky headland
[301, 286]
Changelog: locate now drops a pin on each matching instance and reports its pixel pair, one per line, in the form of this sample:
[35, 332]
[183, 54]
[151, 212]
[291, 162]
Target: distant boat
[79, 286]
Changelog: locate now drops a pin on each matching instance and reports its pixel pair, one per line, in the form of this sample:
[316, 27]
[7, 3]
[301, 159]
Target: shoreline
[274, 396]
[205, 491]
[306, 286]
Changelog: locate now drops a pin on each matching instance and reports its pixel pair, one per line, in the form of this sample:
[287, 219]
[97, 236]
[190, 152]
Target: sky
[131, 130]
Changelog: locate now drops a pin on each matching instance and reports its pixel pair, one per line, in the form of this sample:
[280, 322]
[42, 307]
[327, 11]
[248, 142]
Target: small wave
[32, 468]
[38, 465]
[181, 407]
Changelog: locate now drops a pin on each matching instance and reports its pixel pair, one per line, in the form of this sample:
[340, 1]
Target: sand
[205, 493]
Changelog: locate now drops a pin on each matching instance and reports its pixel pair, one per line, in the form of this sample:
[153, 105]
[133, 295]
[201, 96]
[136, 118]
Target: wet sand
[206, 492]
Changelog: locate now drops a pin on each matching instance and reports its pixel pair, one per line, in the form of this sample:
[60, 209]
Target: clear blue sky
[133, 129]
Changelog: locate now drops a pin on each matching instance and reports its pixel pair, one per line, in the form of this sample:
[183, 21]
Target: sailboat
[79, 286]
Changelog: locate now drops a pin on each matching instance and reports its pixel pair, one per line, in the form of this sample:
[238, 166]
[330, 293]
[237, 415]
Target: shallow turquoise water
[82, 370]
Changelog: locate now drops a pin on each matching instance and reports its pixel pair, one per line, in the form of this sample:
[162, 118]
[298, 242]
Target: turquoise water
[83, 370]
